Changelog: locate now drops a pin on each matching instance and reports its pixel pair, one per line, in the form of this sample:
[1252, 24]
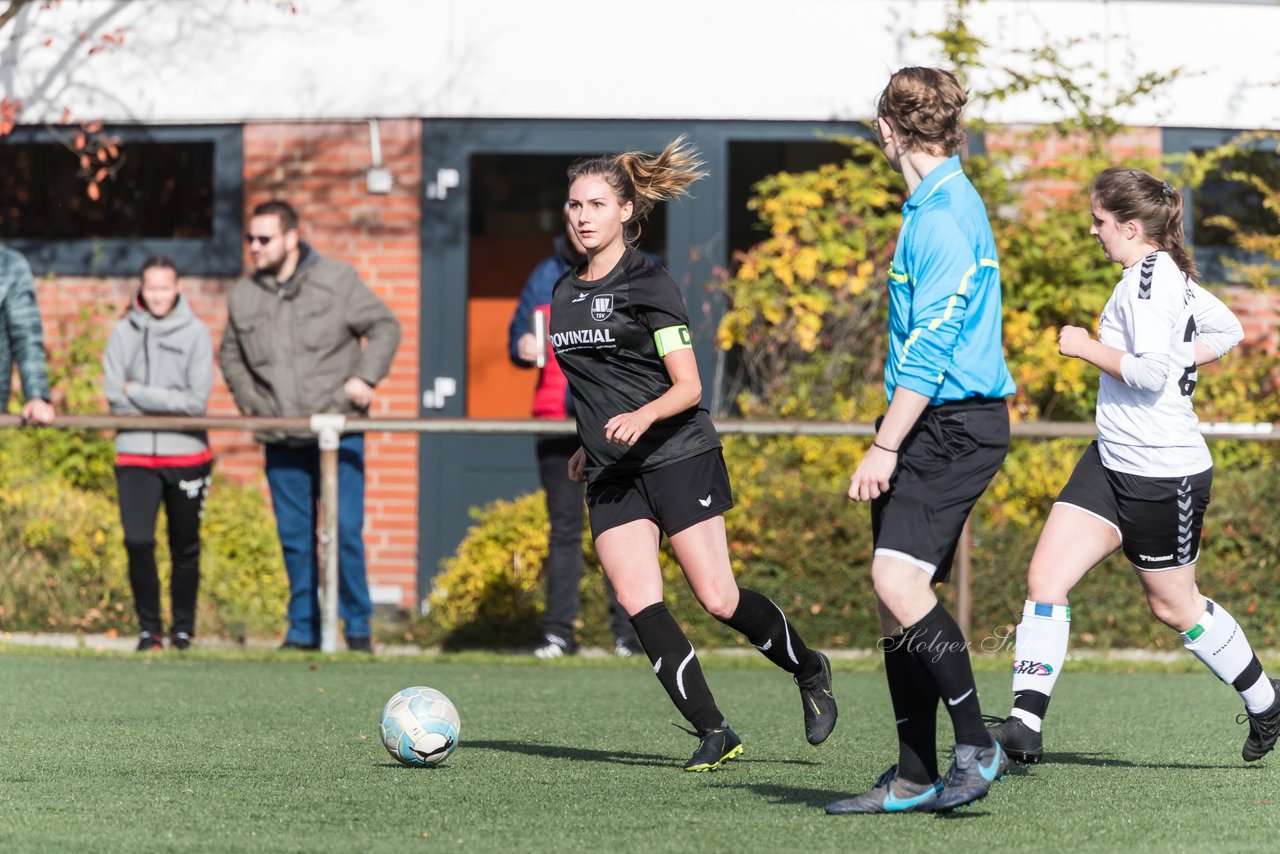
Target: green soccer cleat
[719, 745]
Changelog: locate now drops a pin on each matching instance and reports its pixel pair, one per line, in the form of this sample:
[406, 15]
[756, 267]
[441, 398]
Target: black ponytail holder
[1166, 190]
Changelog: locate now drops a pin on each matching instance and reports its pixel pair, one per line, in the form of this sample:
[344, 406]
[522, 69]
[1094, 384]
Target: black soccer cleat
[1023, 744]
[180, 640]
[889, 794]
[148, 641]
[1264, 727]
[970, 776]
[819, 703]
[718, 746]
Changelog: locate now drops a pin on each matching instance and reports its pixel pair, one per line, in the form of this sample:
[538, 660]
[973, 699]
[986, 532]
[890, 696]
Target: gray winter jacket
[290, 347]
[21, 334]
[168, 362]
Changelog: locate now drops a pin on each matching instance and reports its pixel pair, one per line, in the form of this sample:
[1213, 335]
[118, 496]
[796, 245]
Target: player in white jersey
[1143, 486]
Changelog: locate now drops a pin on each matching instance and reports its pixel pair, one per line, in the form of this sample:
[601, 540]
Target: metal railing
[328, 430]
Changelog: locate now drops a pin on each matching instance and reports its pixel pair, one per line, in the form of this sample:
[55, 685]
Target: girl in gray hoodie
[159, 361]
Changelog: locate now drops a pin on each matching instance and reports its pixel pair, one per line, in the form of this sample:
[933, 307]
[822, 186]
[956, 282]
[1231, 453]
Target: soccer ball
[420, 727]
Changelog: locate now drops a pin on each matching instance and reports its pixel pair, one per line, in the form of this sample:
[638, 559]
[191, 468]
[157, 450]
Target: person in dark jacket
[565, 508]
[159, 361]
[22, 339]
[305, 335]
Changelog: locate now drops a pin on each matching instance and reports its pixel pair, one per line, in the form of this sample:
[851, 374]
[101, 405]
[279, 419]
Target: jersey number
[1187, 385]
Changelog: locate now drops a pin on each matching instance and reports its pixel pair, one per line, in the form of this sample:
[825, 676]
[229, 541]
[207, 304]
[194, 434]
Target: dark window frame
[1210, 259]
[220, 254]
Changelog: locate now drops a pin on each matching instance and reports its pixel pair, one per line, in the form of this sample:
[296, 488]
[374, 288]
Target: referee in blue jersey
[942, 439]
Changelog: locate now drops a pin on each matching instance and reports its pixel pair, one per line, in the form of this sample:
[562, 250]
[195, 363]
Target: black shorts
[674, 497]
[944, 464]
[1158, 518]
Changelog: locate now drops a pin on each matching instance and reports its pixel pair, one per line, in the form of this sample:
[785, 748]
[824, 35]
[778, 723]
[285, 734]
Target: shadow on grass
[791, 795]
[1109, 760]
[617, 757]
[819, 798]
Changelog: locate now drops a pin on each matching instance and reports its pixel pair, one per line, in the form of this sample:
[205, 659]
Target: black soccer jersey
[602, 335]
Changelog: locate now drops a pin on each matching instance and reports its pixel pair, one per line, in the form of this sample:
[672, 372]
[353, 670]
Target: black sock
[676, 666]
[941, 650]
[915, 710]
[767, 628]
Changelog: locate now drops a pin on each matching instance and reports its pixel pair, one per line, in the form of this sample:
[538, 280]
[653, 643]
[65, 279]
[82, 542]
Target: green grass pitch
[229, 752]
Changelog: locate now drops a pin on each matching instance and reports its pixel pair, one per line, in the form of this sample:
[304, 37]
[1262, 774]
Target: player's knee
[1172, 614]
[140, 545]
[719, 608]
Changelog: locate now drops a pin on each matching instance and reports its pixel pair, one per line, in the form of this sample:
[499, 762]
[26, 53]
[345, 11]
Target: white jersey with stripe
[1156, 311]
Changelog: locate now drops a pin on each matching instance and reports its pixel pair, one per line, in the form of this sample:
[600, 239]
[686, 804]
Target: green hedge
[796, 538]
[62, 559]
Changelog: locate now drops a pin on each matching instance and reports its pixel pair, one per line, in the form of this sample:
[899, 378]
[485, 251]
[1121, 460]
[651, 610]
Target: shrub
[795, 538]
[62, 558]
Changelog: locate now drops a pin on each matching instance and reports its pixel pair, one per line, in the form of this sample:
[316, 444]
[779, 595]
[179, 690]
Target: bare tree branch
[14, 7]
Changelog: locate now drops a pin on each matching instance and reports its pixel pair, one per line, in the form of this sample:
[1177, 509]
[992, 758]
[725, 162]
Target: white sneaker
[552, 647]
[622, 649]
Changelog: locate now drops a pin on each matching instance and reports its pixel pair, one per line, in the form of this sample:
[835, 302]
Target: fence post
[329, 427]
[964, 578]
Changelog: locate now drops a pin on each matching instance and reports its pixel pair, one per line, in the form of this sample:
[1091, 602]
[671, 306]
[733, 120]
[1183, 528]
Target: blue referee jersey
[945, 339]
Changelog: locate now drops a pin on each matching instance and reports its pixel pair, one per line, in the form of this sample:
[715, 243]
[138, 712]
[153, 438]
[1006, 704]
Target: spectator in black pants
[564, 497]
[159, 361]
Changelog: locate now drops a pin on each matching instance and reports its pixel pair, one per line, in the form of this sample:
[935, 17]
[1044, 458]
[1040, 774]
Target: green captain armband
[671, 339]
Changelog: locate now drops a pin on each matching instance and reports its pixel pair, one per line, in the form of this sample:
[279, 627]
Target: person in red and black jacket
[565, 506]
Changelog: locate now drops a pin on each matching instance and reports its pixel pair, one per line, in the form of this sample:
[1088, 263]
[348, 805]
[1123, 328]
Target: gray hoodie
[168, 362]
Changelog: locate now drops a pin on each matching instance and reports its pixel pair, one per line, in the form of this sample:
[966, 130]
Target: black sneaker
[180, 640]
[303, 647]
[1264, 727]
[363, 644]
[970, 776]
[148, 641]
[719, 745]
[1023, 744]
[819, 703]
[889, 794]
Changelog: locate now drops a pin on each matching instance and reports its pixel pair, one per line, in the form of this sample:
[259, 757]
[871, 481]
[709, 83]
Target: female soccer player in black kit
[650, 455]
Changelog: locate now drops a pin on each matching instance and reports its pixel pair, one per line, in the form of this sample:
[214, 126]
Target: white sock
[1040, 648]
[1218, 641]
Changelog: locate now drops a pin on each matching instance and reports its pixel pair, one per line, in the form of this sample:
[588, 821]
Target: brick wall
[320, 169]
[1259, 312]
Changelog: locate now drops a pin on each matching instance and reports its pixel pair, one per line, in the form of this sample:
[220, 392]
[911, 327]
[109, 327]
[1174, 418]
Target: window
[1218, 196]
[177, 191]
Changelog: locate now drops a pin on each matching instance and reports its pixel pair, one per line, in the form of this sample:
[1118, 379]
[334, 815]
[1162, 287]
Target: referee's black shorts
[944, 464]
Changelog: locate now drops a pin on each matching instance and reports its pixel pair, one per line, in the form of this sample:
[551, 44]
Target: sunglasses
[260, 239]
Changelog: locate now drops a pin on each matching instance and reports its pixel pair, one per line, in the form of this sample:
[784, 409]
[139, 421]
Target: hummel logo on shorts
[705, 502]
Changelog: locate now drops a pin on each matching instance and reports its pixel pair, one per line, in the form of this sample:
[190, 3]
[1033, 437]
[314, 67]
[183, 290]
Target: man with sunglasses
[293, 346]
